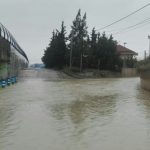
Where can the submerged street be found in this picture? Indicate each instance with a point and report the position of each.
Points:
(47, 112)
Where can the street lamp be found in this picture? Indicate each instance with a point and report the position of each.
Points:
(149, 44)
(124, 44)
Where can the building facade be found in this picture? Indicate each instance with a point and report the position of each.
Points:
(129, 61)
(126, 53)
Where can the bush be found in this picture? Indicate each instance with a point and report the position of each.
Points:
(144, 65)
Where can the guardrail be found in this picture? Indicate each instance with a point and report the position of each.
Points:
(7, 82)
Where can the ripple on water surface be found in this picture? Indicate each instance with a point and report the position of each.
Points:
(107, 114)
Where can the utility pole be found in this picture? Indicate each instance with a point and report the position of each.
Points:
(0, 31)
(124, 59)
(149, 44)
(145, 55)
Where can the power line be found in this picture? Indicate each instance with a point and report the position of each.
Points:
(144, 22)
(124, 17)
(135, 28)
(116, 31)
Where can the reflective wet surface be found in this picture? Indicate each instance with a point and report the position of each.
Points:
(106, 114)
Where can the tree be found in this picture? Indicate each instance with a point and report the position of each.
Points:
(54, 55)
(48, 58)
(78, 37)
(92, 54)
(93, 51)
(60, 47)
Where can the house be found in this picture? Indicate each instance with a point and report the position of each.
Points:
(129, 61)
(125, 53)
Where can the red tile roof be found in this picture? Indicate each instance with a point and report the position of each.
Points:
(123, 50)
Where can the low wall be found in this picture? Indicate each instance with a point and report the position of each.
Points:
(145, 84)
(129, 72)
(145, 80)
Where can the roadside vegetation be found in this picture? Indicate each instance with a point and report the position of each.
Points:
(79, 49)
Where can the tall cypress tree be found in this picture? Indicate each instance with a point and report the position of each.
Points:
(54, 55)
(78, 37)
(48, 58)
(93, 49)
(60, 47)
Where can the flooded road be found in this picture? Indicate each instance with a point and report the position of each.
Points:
(106, 114)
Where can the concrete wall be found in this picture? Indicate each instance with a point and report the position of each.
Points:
(145, 80)
(145, 84)
(129, 72)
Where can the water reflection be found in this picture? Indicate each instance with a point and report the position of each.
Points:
(91, 107)
(84, 113)
(143, 98)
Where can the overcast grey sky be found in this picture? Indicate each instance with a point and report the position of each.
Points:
(32, 21)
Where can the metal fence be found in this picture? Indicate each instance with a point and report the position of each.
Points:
(4, 33)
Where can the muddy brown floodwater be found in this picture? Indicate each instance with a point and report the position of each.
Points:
(92, 114)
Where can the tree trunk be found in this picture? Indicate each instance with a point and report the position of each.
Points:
(98, 64)
(81, 62)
